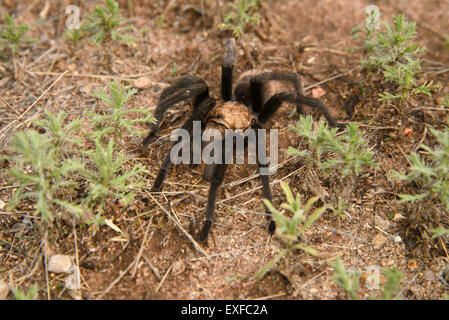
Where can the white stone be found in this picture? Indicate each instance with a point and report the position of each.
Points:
(4, 289)
(60, 263)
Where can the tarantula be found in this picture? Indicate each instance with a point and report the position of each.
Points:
(257, 95)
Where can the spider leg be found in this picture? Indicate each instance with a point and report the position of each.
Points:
(266, 191)
(186, 87)
(266, 111)
(317, 104)
(227, 69)
(217, 177)
(287, 76)
(219, 171)
(199, 111)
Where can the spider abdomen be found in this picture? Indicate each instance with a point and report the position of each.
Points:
(229, 115)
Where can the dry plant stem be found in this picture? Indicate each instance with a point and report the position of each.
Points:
(76, 255)
(227, 252)
(46, 265)
(277, 295)
(403, 153)
(36, 101)
(106, 77)
(133, 273)
(166, 273)
(194, 242)
(9, 106)
(35, 61)
(156, 273)
(37, 263)
(329, 79)
(116, 280)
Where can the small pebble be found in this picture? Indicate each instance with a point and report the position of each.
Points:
(4, 289)
(429, 275)
(142, 83)
(379, 241)
(59, 263)
(398, 217)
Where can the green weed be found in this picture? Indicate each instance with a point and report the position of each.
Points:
(391, 50)
(12, 36)
(431, 174)
(290, 229)
(349, 280)
(104, 24)
(42, 176)
(30, 295)
(116, 120)
(243, 13)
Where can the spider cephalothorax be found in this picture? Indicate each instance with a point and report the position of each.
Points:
(257, 95)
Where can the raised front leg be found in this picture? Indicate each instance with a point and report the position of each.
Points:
(185, 88)
(200, 110)
(227, 69)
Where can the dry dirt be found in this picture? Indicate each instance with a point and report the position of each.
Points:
(311, 37)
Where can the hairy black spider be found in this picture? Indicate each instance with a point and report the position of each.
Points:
(257, 96)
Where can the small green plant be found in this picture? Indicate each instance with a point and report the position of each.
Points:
(404, 76)
(445, 101)
(108, 181)
(30, 295)
(75, 35)
(351, 150)
(386, 44)
(243, 13)
(11, 35)
(392, 51)
(50, 173)
(392, 285)
(42, 176)
(347, 155)
(349, 280)
(61, 135)
(315, 136)
(116, 121)
(161, 21)
(290, 229)
(431, 174)
(104, 24)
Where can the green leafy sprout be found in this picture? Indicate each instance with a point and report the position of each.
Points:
(430, 173)
(43, 177)
(244, 12)
(30, 295)
(12, 35)
(325, 150)
(115, 120)
(350, 150)
(349, 280)
(104, 24)
(290, 229)
(108, 179)
(49, 172)
(392, 51)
